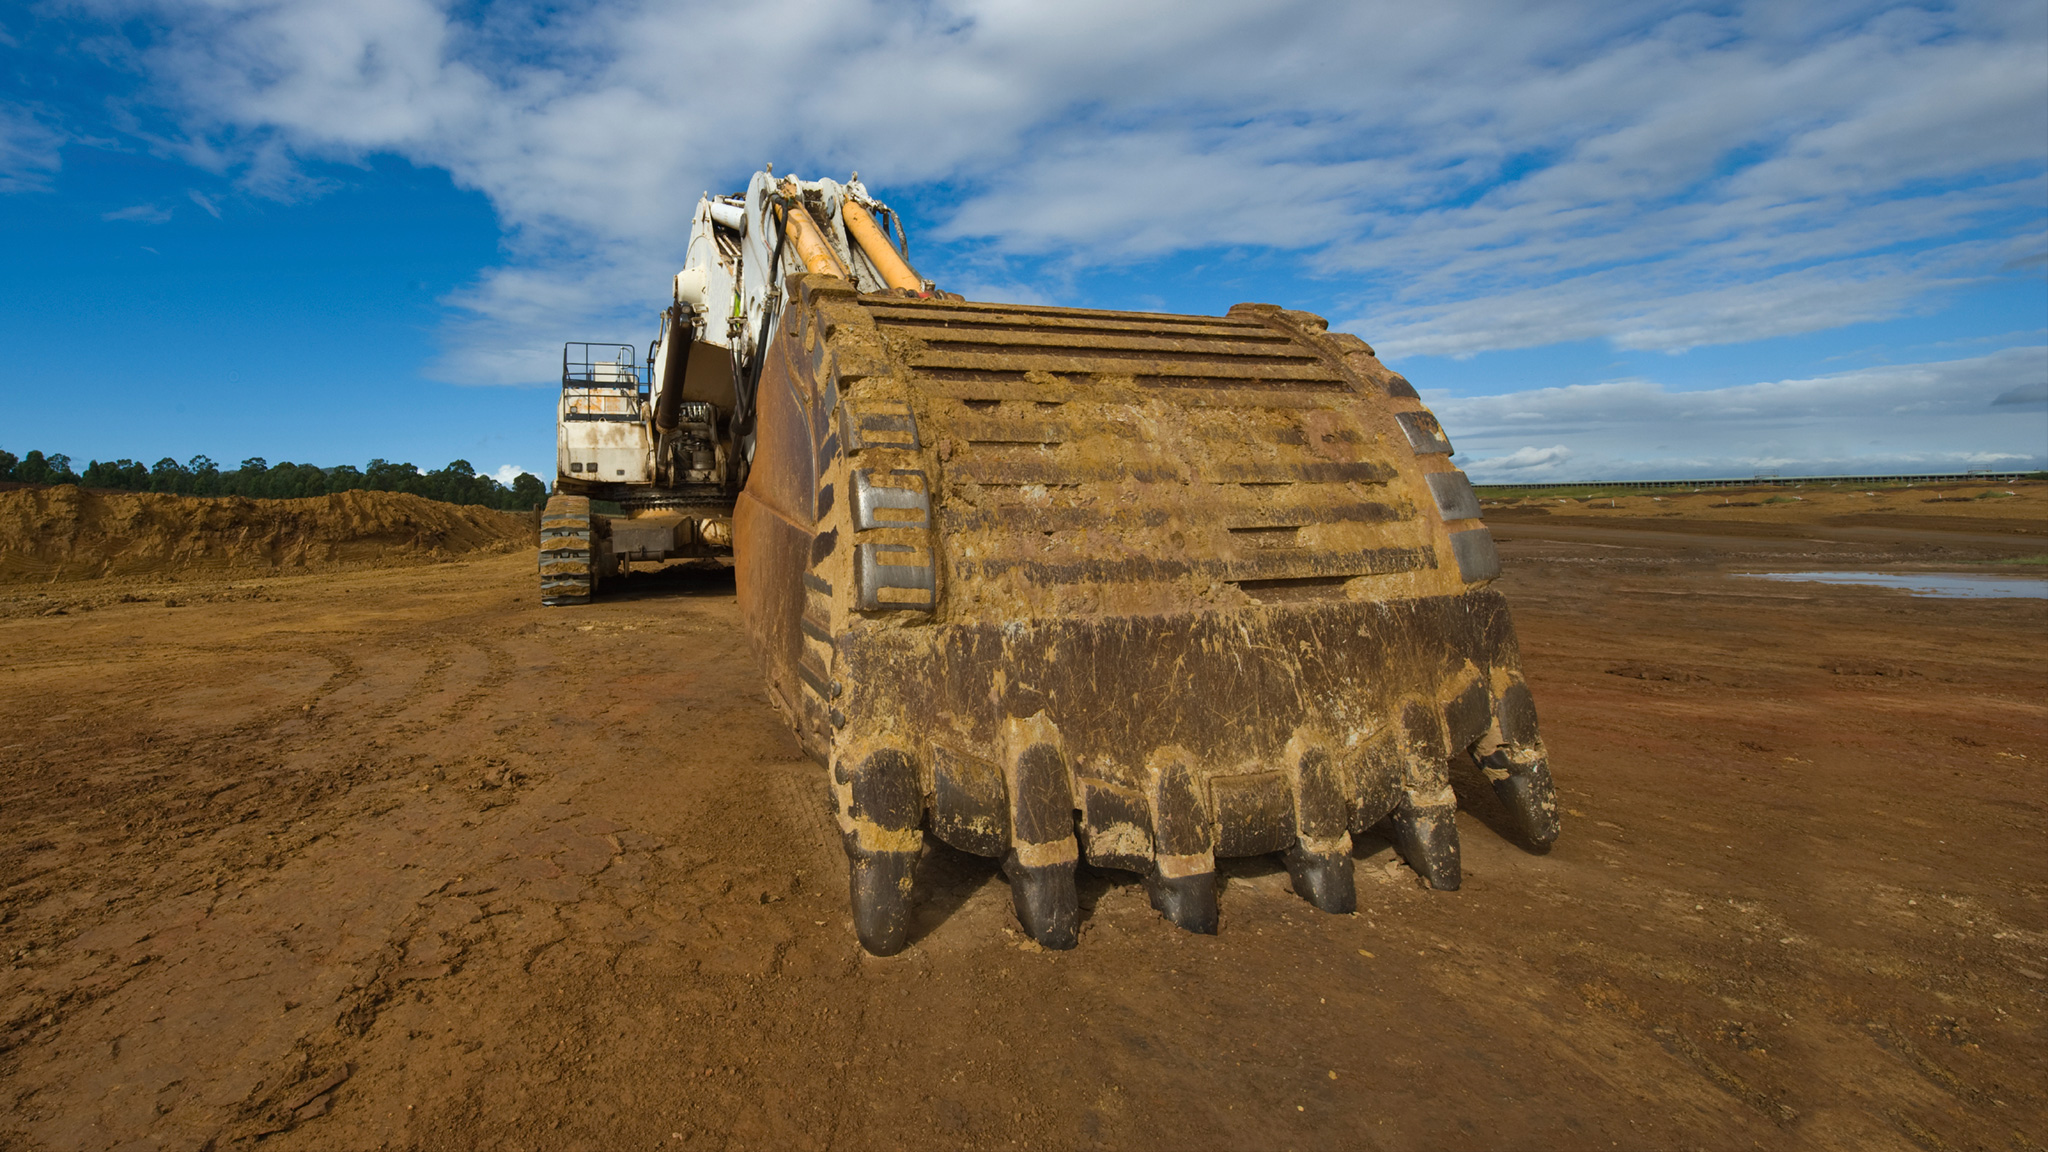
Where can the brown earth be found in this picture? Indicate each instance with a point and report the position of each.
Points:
(72, 533)
(2019, 506)
(400, 859)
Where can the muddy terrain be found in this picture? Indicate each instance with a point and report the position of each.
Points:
(397, 858)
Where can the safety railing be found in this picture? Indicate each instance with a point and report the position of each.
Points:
(588, 365)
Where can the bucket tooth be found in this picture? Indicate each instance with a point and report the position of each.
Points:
(1047, 900)
(1182, 882)
(1425, 817)
(1043, 852)
(1426, 836)
(1324, 879)
(1516, 714)
(880, 886)
(880, 806)
(1522, 781)
(1320, 858)
(1511, 755)
(1188, 901)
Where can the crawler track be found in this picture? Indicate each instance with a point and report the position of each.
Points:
(568, 533)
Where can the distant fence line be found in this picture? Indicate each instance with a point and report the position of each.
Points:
(1782, 481)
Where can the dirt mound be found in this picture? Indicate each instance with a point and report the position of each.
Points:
(69, 533)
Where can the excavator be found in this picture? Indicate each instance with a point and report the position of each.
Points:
(1057, 585)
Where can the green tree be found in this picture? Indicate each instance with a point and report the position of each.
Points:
(528, 491)
(458, 483)
(167, 475)
(290, 481)
(125, 474)
(345, 478)
(35, 468)
(383, 476)
(205, 476)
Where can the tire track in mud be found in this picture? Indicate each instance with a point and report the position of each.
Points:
(1601, 971)
(500, 667)
(423, 685)
(1762, 1103)
(1744, 972)
(401, 969)
(1934, 1074)
(576, 939)
(248, 794)
(346, 670)
(443, 654)
(260, 786)
(282, 1099)
(248, 818)
(584, 942)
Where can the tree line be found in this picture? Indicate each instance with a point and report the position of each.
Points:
(458, 483)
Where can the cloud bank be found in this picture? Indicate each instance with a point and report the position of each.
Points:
(1988, 412)
(1455, 178)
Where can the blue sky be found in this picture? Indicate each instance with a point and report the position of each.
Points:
(1604, 240)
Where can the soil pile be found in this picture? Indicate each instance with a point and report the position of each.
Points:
(69, 533)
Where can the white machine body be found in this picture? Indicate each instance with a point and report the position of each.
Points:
(651, 454)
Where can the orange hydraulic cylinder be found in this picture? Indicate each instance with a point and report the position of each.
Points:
(811, 248)
(860, 224)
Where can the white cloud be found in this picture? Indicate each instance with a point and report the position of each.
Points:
(1522, 459)
(1673, 309)
(999, 291)
(29, 150)
(204, 201)
(1943, 416)
(1463, 176)
(139, 213)
(507, 473)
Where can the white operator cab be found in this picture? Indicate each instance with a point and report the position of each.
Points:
(603, 434)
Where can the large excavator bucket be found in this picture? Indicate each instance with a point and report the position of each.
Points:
(1148, 590)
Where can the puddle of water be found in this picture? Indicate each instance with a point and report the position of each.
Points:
(1946, 585)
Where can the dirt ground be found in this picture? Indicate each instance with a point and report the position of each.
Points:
(400, 859)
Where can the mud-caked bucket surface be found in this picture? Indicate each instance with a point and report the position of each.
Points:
(1221, 567)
